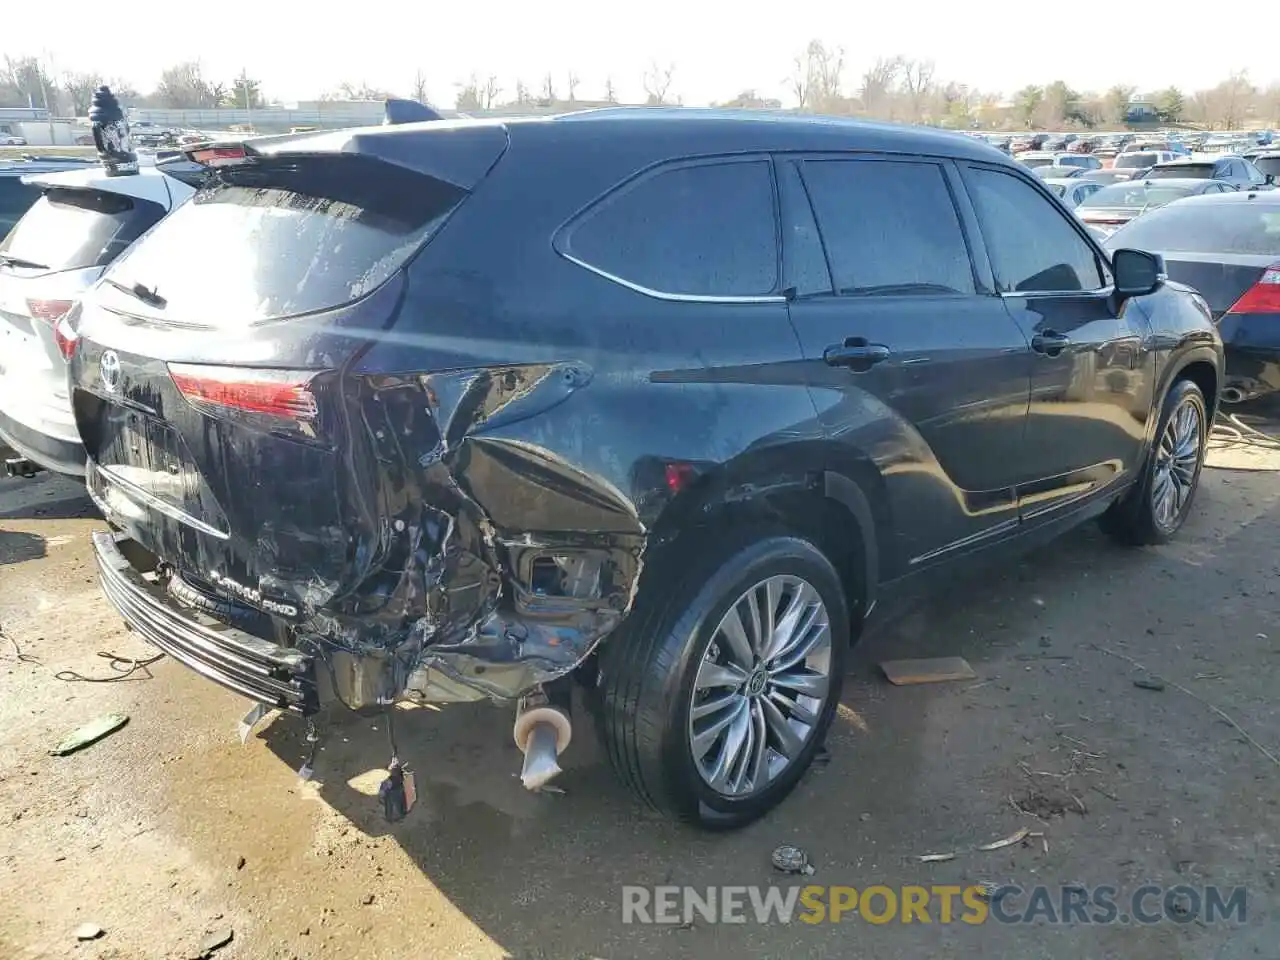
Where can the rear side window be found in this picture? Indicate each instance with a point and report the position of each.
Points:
(1135, 161)
(1189, 171)
(1194, 226)
(285, 236)
(1033, 247)
(1267, 165)
(15, 199)
(72, 229)
(701, 230)
(889, 227)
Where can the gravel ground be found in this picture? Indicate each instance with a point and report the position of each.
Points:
(171, 830)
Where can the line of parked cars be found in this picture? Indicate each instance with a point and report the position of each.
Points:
(665, 403)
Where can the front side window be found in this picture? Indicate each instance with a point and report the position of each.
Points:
(1032, 245)
(700, 230)
(890, 228)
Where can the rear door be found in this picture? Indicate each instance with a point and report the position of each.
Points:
(910, 356)
(1091, 376)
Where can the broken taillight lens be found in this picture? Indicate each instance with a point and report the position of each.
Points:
(285, 394)
(65, 336)
(1263, 296)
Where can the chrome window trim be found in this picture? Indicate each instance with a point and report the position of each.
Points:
(1100, 292)
(672, 297)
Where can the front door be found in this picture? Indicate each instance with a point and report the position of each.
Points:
(1091, 376)
(913, 362)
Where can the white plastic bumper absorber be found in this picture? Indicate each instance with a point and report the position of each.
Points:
(542, 731)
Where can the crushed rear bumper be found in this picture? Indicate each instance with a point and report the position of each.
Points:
(250, 666)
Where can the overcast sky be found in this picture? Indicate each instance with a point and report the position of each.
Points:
(718, 48)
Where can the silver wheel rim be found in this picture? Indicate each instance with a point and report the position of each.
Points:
(761, 686)
(1177, 464)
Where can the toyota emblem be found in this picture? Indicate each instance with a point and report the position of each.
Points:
(110, 368)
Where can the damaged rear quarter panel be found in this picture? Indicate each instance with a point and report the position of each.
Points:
(522, 402)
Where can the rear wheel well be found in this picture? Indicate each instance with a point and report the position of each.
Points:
(1204, 376)
(808, 513)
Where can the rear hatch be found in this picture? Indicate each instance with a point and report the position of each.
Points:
(224, 429)
(55, 251)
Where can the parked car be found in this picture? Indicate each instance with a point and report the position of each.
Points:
(1227, 246)
(79, 222)
(400, 433)
(1080, 161)
(1236, 171)
(11, 141)
(1114, 206)
(1139, 161)
(1109, 176)
(17, 197)
(1072, 191)
(1268, 164)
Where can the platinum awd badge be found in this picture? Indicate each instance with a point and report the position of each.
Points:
(253, 596)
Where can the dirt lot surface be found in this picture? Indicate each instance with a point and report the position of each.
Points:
(171, 830)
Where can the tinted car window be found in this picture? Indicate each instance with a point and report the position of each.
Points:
(889, 227)
(1188, 171)
(1135, 161)
(1033, 247)
(285, 237)
(1204, 227)
(71, 229)
(705, 230)
(804, 262)
(15, 199)
(1266, 165)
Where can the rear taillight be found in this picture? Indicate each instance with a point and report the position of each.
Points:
(50, 311)
(1263, 296)
(218, 156)
(272, 393)
(65, 336)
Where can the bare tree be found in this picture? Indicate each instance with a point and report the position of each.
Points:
(490, 91)
(571, 84)
(79, 89)
(1116, 104)
(657, 82)
(523, 97)
(610, 94)
(816, 79)
(419, 89)
(878, 84)
(549, 89)
(25, 82)
(917, 80)
(184, 87)
(469, 97)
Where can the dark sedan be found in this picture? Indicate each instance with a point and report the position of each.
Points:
(1228, 247)
(1236, 171)
(1114, 206)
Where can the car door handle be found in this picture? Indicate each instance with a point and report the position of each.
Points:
(1050, 343)
(856, 354)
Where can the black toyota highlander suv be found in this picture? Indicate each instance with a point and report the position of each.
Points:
(664, 401)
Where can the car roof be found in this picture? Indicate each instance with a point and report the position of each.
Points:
(1268, 197)
(681, 130)
(1170, 182)
(1066, 181)
(147, 184)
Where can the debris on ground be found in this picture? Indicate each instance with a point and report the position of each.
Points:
(930, 670)
(240, 862)
(791, 859)
(90, 733)
(1009, 841)
(935, 857)
(1052, 801)
(89, 931)
(1147, 683)
(216, 940)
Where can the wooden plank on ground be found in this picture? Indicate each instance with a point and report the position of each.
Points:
(932, 670)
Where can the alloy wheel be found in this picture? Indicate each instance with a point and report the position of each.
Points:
(761, 686)
(1177, 464)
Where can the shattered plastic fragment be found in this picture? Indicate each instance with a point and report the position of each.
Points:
(90, 733)
(251, 720)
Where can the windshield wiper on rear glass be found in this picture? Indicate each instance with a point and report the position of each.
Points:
(139, 292)
(9, 261)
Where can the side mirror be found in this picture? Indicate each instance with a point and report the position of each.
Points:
(1137, 272)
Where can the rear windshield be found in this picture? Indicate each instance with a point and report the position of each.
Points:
(1269, 165)
(1193, 171)
(284, 237)
(1034, 162)
(1135, 161)
(15, 199)
(70, 229)
(1135, 195)
(1196, 227)
(1058, 188)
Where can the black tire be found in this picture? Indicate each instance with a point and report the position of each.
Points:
(648, 667)
(1133, 519)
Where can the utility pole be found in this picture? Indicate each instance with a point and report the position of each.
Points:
(44, 89)
(248, 106)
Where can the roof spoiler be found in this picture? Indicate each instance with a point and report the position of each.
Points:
(396, 111)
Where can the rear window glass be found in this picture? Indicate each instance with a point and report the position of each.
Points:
(15, 199)
(284, 237)
(1197, 227)
(1269, 165)
(73, 229)
(1059, 189)
(1034, 162)
(705, 230)
(1135, 195)
(1193, 171)
(1135, 161)
(889, 227)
